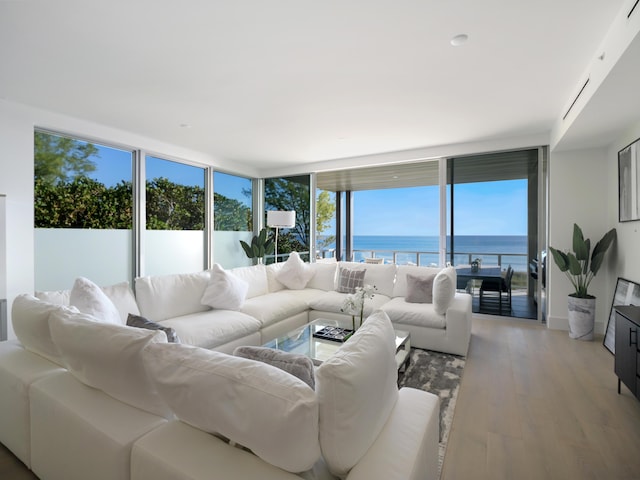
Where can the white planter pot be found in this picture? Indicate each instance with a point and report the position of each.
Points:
(582, 316)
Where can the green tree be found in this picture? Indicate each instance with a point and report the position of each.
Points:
(231, 215)
(61, 159)
(82, 203)
(325, 212)
(171, 206)
(292, 193)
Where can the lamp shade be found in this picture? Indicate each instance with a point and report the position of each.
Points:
(281, 219)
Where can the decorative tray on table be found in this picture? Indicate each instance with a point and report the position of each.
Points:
(335, 334)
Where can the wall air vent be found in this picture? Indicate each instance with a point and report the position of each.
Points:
(577, 97)
(633, 8)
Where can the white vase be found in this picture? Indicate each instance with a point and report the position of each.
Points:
(582, 316)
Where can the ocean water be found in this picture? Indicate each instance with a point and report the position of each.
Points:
(491, 249)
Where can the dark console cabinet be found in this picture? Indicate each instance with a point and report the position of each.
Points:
(627, 357)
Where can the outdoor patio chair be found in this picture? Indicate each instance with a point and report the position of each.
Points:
(499, 286)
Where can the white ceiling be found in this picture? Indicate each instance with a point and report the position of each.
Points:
(276, 83)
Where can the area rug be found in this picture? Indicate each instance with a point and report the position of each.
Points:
(440, 374)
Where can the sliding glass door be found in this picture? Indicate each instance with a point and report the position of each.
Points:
(494, 216)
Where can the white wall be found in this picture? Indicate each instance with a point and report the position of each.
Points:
(579, 192)
(627, 264)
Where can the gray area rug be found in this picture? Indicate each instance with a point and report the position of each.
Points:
(440, 374)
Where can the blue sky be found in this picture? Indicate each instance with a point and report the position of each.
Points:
(488, 208)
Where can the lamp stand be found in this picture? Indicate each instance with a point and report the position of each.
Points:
(276, 249)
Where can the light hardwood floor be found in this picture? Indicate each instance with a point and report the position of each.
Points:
(534, 404)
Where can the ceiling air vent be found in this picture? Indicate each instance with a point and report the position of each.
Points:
(577, 97)
(633, 8)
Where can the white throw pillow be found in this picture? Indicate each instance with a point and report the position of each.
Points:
(108, 357)
(295, 274)
(30, 318)
(225, 291)
(444, 289)
(357, 390)
(89, 298)
(251, 403)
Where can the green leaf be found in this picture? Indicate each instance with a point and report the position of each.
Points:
(574, 265)
(560, 258)
(580, 247)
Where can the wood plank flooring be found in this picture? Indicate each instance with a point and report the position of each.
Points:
(533, 404)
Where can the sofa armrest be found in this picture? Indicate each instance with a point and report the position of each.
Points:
(407, 447)
(458, 322)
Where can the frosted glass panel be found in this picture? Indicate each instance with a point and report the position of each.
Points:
(174, 237)
(227, 250)
(63, 254)
(173, 251)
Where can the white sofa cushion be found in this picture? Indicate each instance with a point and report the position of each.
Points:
(295, 274)
(167, 296)
(89, 298)
(79, 432)
(273, 307)
(251, 403)
(357, 390)
(120, 294)
(400, 287)
(30, 317)
(333, 301)
(324, 277)
(444, 289)
(124, 300)
(273, 283)
(256, 277)
(212, 328)
(19, 369)
(108, 357)
(418, 314)
(225, 291)
(382, 276)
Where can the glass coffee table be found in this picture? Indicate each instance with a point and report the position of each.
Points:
(303, 341)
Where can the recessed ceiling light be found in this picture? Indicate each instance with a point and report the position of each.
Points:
(185, 125)
(459, 40)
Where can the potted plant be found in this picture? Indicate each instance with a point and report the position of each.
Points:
(581, 267)
(261, 245)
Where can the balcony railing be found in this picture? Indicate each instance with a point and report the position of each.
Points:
(518, 261)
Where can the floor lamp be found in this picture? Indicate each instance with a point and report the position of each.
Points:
(280, 219)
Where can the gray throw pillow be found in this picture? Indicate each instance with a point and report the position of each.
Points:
(297, 365)
(349, 280)
(141, 322)
(420, 288)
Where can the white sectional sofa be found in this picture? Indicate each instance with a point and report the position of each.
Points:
(271, 309)
(115, 402)
(63, 414)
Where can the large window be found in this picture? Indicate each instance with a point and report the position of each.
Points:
(400, 225)
(291, 193)
(174, 240)
(83, 211)
(232, 218)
